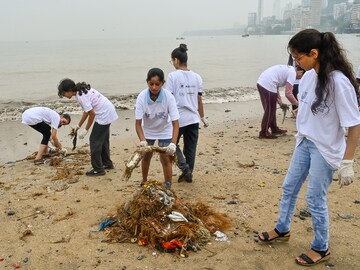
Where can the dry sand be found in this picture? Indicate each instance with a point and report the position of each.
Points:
(47, 223)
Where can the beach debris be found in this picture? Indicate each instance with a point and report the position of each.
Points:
(137, 156)
(73, 133)
(284, 107)
(246, 165)
(26, 233)
(220, 236)
(150, 219)
(10, 213)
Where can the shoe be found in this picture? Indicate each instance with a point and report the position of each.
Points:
(109, 167)
(186, 175)
(280, 236)
(324, 255)
(279, 132)
(95, 173)
(39, 161)
(267, 136)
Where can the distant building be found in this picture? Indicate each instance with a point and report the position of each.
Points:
(315, 13)
(355, 14)
(260, 11)
(277, 10)
(252, 19)
(339, 10)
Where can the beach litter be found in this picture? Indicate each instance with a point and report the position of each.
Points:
(133, 161)
(156, 217)
(284, 107)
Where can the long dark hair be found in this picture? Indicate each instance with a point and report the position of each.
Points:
(331, 57)
(181, 54)
(68, 85)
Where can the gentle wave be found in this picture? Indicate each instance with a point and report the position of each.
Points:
(12, 111)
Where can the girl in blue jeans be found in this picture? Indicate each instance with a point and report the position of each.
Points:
(327, 105)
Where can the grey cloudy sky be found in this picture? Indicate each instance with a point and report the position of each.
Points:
(85, 19)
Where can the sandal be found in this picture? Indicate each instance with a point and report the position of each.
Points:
(280, 236)
(325, 255)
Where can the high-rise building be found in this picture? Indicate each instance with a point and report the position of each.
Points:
(315, 13)
(260, 11)
(277, 10)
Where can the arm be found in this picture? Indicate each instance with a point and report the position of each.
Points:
(279, 101)
(352, 141)
(175, 133)
(289, 94)
(55, 139)
(200, 107)
(139, 130)
(91, 115)
(201, 111)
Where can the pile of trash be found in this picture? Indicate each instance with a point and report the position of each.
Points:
(156, 216)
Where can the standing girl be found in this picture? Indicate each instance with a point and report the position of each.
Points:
(96, 107)
(157, 119)
(186, 86)
(327, 105)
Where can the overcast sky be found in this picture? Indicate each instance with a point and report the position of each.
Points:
(86, 19)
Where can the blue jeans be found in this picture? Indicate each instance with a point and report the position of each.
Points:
(161, 142)
(307, 162)
(186, 158)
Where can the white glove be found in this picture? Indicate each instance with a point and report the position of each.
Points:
(52, 142)
(63, 152)
(346, 173)
(77, 128)
(143, 144)
(206, 123)
(83, 134)
(171, 149)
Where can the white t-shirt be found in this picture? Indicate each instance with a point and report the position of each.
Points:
(185, 85)
(157, 116)
(326, 129)
(105, 112)
(277, 76)
(37, 115)
(358, 73)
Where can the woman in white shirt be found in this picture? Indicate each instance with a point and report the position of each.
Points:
(46, 121)
(327, 105)
(96, 108)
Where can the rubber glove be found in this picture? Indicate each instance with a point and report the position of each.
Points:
(346, 173)
(206, 123)
(143, 144)
(83, 134)
(77, 128)
(171, 149)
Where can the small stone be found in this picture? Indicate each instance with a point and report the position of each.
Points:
(11, 213)
(345, 216)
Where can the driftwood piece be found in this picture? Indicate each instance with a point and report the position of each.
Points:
(137, 156)
(284, 107)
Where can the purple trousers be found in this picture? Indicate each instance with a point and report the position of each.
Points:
(268, 101)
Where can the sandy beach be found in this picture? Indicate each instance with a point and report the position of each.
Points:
(48, 223)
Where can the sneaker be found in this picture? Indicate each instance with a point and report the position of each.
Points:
(186, 175)
(109, 167)
(95, 173)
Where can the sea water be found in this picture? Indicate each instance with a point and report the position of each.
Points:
(229, 65)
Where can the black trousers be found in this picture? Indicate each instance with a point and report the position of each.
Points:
(45, 130)
(100, 146)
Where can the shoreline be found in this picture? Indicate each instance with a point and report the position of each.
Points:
(17, 140)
